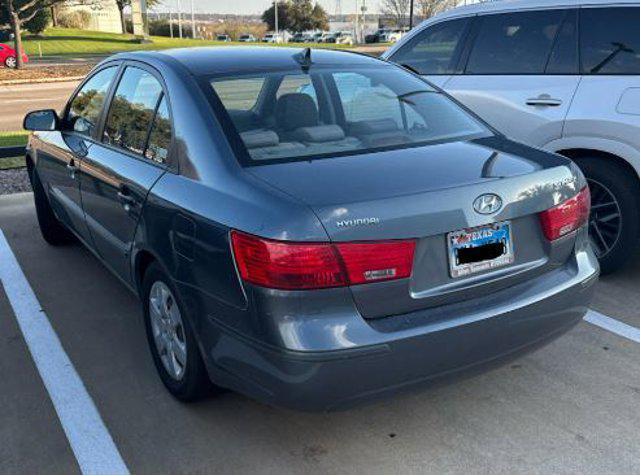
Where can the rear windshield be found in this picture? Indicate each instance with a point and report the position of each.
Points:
(288, 115)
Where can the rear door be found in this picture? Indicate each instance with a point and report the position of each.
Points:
(118, 173)
(435, 52)
(521, 72)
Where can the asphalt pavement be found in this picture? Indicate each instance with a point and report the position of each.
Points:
(17, 100)
(571, 407)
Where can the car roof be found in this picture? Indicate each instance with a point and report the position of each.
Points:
(516, 5)
(202, 61)
(502, 6)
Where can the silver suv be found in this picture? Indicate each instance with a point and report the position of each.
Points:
(557, 74)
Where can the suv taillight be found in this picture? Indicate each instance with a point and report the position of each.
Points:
(297, 266)
(566, 217)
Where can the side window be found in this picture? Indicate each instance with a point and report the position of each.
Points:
(434, 50)
(132, 109)
(564, 57)
(514, 43)
(610, 43)
(239, 94)
(86, 107)
(160, 136)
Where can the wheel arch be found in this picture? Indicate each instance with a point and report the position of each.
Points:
(585, 146)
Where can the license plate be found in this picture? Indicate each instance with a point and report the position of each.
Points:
(479, 249)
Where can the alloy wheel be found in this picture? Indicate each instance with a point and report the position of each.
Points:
(605, 221)
(168, 330)
(10, 62)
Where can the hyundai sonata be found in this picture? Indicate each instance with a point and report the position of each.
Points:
(311, 228)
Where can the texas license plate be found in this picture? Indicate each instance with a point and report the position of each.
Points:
(479, 249)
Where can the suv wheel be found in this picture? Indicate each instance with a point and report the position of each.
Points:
(172, 342)
(614, 224)
(52, 230)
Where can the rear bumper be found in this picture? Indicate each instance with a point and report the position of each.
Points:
(420, 350)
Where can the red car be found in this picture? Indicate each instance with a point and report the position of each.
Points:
(8, 56)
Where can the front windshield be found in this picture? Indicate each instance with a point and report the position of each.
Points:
(331, 111)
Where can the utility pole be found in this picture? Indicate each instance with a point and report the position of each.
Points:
(275, 7)
(179, 19)
(193, 22)
(411, 14)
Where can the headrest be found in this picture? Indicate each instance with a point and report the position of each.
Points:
(296, 110)
(319, 133)
(259, 138)
(374, 126)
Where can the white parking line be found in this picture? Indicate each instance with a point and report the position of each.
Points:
(613, 325)
(90, 440)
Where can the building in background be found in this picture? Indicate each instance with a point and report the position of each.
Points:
(104, 14)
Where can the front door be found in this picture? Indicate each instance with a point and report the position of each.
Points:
(61, 153)
(118, 173)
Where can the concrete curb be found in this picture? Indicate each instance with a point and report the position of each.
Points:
(12, 82)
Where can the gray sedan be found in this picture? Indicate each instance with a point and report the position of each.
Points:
(313, 229)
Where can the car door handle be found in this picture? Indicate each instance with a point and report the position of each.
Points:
(126, 198)
(72, 168)
(544, 100)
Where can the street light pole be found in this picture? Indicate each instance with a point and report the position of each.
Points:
(275, 7)
(193, 22)
(179, 19)
(411, 14)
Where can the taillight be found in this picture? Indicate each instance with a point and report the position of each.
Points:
(566, 217)
(297, 266)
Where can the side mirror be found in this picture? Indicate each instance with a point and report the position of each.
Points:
(45, 120)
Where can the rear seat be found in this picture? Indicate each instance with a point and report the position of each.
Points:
(379, 132)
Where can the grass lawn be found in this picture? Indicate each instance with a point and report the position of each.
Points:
(13, 139)
(10, 163)
(63, 41)
(9, 139)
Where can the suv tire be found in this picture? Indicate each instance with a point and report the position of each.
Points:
(614, 224)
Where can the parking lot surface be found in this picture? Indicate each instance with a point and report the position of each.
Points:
(571, 407)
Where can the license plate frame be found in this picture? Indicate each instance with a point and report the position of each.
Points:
(499, 232)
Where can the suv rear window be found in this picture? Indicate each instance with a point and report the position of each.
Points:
(610, 43)
(337, 112)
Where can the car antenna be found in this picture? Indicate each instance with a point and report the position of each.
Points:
(304, 58)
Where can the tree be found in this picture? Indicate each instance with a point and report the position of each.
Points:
(296, 15)
(38, 23)
(397, 9)
(319, 18)
(15, 13)
(284, 16)
(429, 8)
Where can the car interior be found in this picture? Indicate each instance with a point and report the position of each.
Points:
(291, 115)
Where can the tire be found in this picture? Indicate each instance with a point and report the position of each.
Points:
(10, 62)
(185, 377)
(614, 224)
(52, 230)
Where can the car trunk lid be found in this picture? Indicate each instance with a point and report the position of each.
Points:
(424, 193)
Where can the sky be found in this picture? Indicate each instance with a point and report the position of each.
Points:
(256, 6)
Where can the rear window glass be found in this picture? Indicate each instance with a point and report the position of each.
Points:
(610, 43)
(337, 112)
(239, 94)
